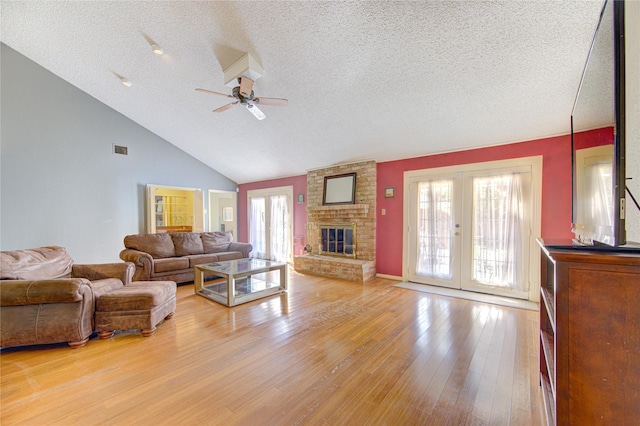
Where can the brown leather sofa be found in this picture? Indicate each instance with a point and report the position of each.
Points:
(45, 298)
(161, 257)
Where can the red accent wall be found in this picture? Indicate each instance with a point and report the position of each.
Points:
(556, 194)
(556, 191)
(592, 138)
(299, 184)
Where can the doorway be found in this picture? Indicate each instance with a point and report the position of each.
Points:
(271, 223)
(174, 209)
(473, 227)
(222, 211)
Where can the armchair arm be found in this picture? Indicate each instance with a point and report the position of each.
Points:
(143, 263)
(93, 272)
(244, 248)
(28, 292)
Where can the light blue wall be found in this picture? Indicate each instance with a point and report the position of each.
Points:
(60, 182)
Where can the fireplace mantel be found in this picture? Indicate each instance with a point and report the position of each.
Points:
(338, 211)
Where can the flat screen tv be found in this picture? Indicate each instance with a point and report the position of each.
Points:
(598, 136)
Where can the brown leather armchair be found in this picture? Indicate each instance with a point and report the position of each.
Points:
(45, 298)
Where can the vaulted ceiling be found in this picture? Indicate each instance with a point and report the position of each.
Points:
(376, 80)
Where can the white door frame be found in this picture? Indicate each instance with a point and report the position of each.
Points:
(535, 162)
(198, 206)
(234, 195)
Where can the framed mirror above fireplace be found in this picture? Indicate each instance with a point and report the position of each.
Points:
(339, 189)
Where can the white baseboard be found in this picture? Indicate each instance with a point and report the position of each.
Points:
(389, 277)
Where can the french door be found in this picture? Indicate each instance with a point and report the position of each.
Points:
(435, 217)
(270, 223)
(472, 229)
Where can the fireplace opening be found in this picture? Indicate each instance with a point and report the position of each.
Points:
(338, 239)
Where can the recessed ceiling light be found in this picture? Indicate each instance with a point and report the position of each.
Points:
(154, 46)
(124, 81)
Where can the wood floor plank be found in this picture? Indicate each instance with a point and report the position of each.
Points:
(462, 383)
(481, 413)
(524, 361)
(328, 352)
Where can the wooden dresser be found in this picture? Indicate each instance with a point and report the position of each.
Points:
(590, 335)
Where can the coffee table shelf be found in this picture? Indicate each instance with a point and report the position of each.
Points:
(242, 280)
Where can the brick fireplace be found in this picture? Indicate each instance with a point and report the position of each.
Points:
(356, 263)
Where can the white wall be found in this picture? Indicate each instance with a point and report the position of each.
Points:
(60, 182)
(632, 58)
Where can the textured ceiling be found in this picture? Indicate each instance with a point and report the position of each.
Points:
(365, 80)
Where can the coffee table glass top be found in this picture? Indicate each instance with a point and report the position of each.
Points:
(239, 266)
(240, 281)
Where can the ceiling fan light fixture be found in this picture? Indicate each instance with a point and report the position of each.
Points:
(256, 112)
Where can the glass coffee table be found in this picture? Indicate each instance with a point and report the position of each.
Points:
(243, 280)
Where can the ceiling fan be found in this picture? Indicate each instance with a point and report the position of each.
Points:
(243, 95)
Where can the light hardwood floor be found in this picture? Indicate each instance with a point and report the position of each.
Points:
(329, 352)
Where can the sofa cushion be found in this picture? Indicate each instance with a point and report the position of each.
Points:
(157, 245)
(37, 263)
(199, 259)
(138, 295)
(170, 264)
(187, 243)
(215, 242)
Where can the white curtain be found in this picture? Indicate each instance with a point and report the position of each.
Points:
(435, 233)
(598, 184)
(257, 227)
(280, 238)
(498, 246)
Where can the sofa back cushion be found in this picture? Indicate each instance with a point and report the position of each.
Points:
(187, 243)
(157, 245)
(48, 262)
(216, 242)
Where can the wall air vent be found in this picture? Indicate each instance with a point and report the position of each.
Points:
(118, 149)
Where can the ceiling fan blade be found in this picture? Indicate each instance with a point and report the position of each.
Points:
(271, 101)
(256, 111)
(225, 107)
(213, 93)
(246, 86)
